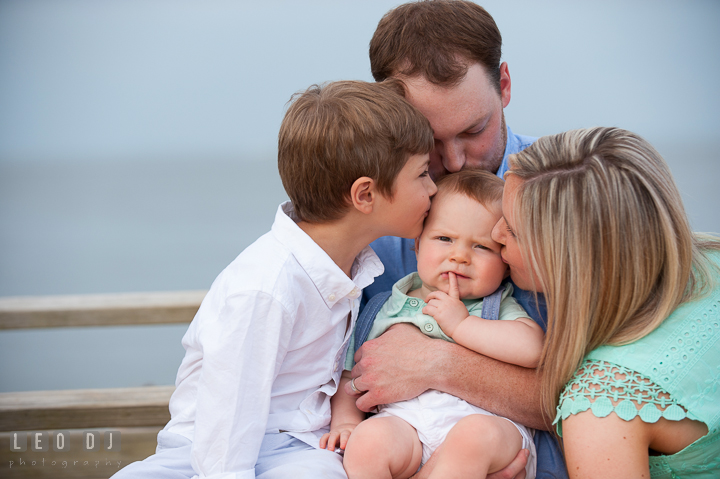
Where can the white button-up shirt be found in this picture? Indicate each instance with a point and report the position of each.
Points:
(266, 349)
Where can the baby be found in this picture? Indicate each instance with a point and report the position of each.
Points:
(459, 264)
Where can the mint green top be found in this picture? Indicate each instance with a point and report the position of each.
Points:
(674, 372)
(401, 308)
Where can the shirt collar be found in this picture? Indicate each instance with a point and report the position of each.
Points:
(512, 145)
(332, 283)
(399, 293)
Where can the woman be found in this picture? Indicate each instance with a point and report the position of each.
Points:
(593, 219)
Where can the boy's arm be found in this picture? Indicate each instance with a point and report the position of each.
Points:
(345, 417)
(241, 345)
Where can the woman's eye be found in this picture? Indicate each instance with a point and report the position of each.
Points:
(510, 232)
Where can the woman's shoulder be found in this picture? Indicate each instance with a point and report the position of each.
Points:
(673, 372)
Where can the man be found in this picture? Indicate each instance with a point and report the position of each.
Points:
(447, 53)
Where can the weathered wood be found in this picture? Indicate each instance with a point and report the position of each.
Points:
(136, 445)
(99, 309)
(85, 408)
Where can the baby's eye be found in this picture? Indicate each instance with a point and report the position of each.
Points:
(479, 246)
(443, 238)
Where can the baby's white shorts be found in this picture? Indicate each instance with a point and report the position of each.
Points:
(434, 413)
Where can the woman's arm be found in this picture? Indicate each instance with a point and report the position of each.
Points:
(606, 447)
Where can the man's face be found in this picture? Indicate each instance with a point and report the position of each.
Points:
(467, 120)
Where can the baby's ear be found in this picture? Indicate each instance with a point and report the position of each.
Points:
(417, 244)
(363, 193)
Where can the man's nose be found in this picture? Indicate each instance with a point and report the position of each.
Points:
(453, 156)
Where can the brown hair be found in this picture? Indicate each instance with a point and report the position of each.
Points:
(437, 39)
(480, 185)
(334, 134)
(601, 223)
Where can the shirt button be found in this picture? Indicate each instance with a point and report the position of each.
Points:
(355, 293)
(414, 302)
(428, 327)
(331, 297)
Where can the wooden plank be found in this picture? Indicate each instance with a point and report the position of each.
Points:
(85, 408)
(136, 445)
(99, 309)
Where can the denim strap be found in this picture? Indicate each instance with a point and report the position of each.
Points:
(491, 304)
(367, 317)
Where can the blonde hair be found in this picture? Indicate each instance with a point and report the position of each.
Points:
(601, 223)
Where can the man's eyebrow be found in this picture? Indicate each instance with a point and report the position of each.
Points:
(485, 117)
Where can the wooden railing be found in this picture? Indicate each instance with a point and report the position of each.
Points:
(138, 413)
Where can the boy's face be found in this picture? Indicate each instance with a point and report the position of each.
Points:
(457, 238)
(405, 214)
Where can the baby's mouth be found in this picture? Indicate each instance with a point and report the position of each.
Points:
(457, 275)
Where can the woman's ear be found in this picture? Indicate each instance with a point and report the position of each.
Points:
(363, 193)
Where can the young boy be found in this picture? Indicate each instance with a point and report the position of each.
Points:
(265, 351)
(459, 264)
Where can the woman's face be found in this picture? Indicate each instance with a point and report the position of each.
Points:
(504, 233)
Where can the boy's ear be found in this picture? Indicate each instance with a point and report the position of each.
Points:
(363, 193)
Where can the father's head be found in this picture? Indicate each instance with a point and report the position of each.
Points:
(447, 52)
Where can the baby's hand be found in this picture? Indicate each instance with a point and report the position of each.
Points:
(337, 437)
(447, 309)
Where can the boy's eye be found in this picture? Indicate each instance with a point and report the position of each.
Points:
(425, 173)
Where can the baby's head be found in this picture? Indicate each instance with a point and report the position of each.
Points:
(456, 236)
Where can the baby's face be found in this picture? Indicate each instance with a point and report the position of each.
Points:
(456, 238)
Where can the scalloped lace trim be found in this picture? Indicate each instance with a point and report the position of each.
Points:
(604, 387)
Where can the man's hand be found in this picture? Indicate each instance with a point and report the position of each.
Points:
(447, 309)
(398, 365)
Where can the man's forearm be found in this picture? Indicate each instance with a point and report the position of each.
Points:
(501, 388)
(403, 363)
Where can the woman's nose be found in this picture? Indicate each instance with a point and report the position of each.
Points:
(497, 233)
